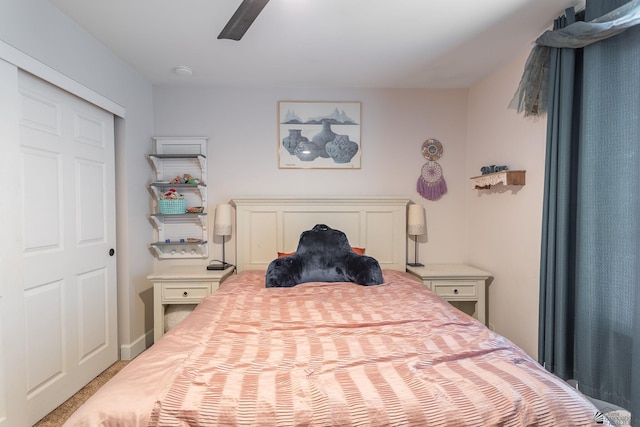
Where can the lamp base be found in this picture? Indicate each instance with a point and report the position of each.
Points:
(218, 266)
(415, 264)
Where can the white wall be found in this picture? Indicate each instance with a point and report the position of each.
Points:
(38, 29)
(505, 226)
(242, 160)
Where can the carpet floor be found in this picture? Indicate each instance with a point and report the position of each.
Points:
(58, 416)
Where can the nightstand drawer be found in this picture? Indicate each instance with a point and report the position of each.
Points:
(184, 293)
(452, 290)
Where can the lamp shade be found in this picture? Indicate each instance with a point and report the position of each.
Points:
(415, 220)
(222, 224)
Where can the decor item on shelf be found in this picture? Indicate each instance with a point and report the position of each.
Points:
(493, 169)
(172, 203)
(172, 194)
(222, 227)
(185, 179)
(415, 227)
(431, 184)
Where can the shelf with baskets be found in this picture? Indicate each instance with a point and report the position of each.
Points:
(180, 197)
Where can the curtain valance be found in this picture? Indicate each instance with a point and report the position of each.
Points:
(531, 96)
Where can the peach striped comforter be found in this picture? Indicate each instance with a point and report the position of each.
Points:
(332, 354)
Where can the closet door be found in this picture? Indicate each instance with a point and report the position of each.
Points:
(67, 187)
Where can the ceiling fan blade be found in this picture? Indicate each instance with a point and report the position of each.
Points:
(242, 19)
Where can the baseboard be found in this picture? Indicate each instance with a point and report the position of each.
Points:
(129, 352)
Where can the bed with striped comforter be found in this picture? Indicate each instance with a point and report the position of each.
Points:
(332, 354)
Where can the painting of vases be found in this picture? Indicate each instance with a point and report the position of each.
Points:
(319, 135)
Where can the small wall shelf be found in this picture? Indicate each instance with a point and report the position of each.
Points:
(181, 235)
(484, 182)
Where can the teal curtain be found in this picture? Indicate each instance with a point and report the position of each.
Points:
(557, 264)
(590, 261)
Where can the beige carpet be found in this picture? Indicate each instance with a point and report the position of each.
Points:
(59, 415)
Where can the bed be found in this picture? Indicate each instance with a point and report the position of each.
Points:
(330, 353)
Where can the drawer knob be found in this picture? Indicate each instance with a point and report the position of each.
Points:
(455, 291)
(185, 294)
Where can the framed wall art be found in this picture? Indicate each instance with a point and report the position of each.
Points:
(319, 135)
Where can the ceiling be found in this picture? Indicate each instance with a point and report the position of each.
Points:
(319, 43)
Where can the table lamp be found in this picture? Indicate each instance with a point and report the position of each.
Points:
(222, 227)
(415, 227)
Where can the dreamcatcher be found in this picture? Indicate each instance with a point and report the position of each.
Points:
(431, 184)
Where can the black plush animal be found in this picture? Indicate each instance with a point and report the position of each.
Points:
(323, 255)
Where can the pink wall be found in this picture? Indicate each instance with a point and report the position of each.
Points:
(493, 230)
(504, 223)
(243, 132)
(499, 232)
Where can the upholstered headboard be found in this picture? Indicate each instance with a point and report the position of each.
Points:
(266, 226)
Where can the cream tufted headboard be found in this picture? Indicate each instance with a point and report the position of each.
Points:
(266, 226)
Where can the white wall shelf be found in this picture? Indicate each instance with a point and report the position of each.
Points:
(180, 250)
(180, 235)
(484, 182)
(194, 193)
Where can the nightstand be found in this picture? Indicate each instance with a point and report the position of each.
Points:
(182, 285)
(457, 283)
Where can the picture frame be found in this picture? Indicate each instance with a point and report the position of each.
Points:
(319, 135)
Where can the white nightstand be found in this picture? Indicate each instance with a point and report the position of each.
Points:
(457, 283)
(182, 285)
